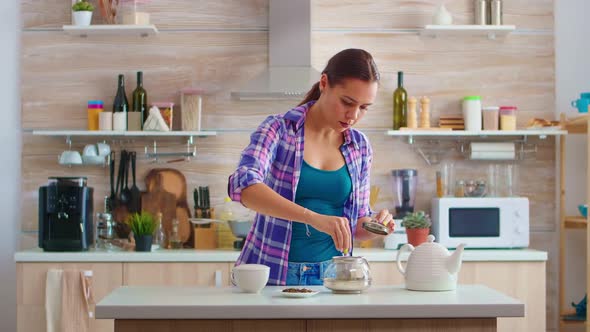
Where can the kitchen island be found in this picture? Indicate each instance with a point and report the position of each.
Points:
(164, 308)
(519, 273)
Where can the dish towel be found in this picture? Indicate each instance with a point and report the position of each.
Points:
(69, 300)
(53, 300)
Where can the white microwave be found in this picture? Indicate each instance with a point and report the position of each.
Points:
(486, 222)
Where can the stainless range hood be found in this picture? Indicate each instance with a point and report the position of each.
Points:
(289, 74)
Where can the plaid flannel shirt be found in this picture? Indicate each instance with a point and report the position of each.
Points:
(274, 157)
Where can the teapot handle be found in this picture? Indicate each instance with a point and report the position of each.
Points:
(405, 247)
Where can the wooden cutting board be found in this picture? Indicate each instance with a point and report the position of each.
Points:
(173, 182)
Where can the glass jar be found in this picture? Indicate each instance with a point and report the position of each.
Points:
(132, 12)
(105, 232)
(348, 274)
(508, 117)
(191, 102)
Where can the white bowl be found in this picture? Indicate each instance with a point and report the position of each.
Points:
(70, 157)
(250, 278)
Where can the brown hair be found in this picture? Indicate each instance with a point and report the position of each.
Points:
(349, 63)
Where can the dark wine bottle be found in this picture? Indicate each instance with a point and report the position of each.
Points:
(400, 103)
(120, 106)
(140, 100)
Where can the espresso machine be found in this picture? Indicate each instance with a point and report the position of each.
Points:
(65, 215)
(404, 188)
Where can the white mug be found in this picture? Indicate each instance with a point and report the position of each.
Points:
(250, 278)
(103, 149)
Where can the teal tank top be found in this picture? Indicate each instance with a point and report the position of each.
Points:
(323, 192)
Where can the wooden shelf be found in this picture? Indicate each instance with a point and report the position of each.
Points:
(575, 222)
(110, 29)
(577, 125)
(490, 31)
(483, 133)
(73, 133)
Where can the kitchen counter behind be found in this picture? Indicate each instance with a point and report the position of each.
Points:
(191, 255)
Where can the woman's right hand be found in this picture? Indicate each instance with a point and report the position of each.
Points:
(337, 227)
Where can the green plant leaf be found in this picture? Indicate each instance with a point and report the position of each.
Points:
(82, 6)
(142, 223)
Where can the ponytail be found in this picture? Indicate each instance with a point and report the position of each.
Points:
(349, 63)
(313, 94)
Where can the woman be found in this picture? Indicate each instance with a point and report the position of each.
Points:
(311, 198)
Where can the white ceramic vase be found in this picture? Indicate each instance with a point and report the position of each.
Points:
(442, 16)
(82, 18)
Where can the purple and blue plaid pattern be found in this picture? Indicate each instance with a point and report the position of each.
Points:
(274, 157)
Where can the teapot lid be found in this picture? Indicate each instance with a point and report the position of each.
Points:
(431, 246)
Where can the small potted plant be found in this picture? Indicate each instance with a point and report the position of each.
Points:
(82, 13)
(417, 226)
(142, 225)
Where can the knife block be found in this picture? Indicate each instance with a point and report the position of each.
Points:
(205, 235)
(205, 238)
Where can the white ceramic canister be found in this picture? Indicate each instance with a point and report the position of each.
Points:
(472, 113)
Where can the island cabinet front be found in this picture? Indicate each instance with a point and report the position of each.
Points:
(518, 279)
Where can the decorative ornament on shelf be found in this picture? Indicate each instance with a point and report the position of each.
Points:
(442, 16)
(155, 121)
(82, 13)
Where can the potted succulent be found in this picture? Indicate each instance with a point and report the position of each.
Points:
(417, 226)
(142, 225)
(82, 13)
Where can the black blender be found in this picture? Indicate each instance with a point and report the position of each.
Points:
(404, 187)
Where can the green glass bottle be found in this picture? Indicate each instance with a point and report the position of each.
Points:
(140, 99)
(400, 103)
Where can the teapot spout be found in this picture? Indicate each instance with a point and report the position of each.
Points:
(454, 260)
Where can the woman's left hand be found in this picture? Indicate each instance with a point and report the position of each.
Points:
(385, 218)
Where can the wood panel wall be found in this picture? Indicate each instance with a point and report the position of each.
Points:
(221, 44)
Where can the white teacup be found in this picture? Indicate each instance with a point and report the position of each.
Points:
(103, 149)
(90, 151)
(250, 278)
(70, 157)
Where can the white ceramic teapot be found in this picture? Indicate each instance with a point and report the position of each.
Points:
(430, 266)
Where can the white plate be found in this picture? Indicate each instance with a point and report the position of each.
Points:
(298, 295)
(203, 221)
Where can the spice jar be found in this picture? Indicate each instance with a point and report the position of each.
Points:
(95, 107)
(132, 12)
(508, 117)
(459, 189)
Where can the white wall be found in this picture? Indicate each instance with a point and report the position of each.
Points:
(10, 147)
(572, 51)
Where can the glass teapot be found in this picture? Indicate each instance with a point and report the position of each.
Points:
(348, 274)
